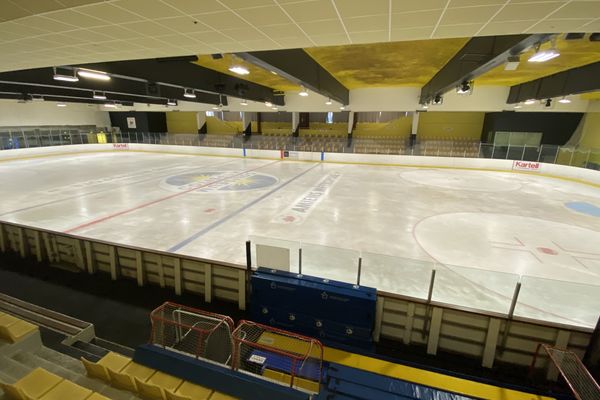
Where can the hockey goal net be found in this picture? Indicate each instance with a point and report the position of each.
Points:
(279, 356)
(192, 332)
(580, 381)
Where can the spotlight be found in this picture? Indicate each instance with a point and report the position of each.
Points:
(65, 78)
(240, 70)
(88, 73)
(328, 102)
(172, 102)
(544, 55)
(99, 95)
(110, 105)
(243, 103)
(564, 100)
(189, 93)
(303, 92)
(437, 100)
(529, 102)
(466, 87)
(268, 104)
(61, 105)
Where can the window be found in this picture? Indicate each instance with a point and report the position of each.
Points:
(329, 118)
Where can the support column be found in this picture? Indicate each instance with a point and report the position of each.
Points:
(246, 123)
(414, 129)
(295, 124)
(201, 122)
(351, 124)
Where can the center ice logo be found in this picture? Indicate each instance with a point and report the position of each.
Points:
(219, 181)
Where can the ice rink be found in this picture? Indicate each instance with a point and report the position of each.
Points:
(482, 231)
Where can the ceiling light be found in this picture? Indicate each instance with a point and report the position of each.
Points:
(66, 78)
(425, 106)
(328, 102)
(240, 70)
(342, 108)
(274, 108)
(466, 87)
(544, 55)
(243, 103)
(61, 105)
(437, 100)
(189, 93)
(171, 102)
(268, 104)
(110, 105)
(303, 92)
(86, 73)
(274, 73)
(564, 100)
(215, 108)
(529, 102)
(512, 63)
(548, 103)
(517, 106)
(99, 95)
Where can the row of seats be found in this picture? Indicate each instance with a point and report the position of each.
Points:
(123, 373)
(44, 385)
(13, 329)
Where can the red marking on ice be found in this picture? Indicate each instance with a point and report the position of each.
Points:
(209, 210)
(547, 250)
(289, 218)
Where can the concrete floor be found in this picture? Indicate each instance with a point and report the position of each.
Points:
(480, 230)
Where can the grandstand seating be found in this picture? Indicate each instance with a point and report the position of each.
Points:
(13, 329)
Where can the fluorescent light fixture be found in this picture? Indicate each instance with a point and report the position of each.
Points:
(189, 93)
(99, 95)
(99, 75)
(65, 78)
(303, 92)
(61, 105)
(529, 102)
(110, 105)
(274, 108)
(425, 106)
(544, 55)
(518, 106)
(240, 70)
(274, 73)
(342, 108)
(564, 100)
(171, 102)
(268, 104)
(243, 103)
(215, 108)
(328, 102)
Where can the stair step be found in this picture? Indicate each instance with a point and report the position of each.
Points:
(13, 368)
(90, 348)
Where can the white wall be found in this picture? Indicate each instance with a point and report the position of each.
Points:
(47, 113)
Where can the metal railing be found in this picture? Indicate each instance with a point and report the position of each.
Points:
(14, 138)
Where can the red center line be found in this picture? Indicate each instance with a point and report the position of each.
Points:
(143, 205)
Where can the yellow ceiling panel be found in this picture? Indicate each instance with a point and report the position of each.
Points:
(257, 74)
(573, 53)
(411, 63)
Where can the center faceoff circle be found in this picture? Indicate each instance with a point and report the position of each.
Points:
(219, 181)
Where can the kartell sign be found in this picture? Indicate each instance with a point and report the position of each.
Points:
(121, 146)
(526, 166)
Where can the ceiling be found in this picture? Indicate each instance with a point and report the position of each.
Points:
(45, 33)
(257, 74)
(573, 54)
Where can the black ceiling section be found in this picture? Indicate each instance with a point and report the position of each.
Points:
(189, 75)
(477, 57)
(297, 66)
(573, 81)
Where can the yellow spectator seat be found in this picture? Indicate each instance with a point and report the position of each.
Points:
(114, 361)
(221, 396)
(12, 392)
(14, 329)
(67, 390)
(174, 396)
(95, 370)
(36, 384)
(122, 381)
(149, 391)
(125, 378)
(97, 396)
(193, 391)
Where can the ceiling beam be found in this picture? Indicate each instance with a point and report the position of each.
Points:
(573, 81)
(298, 67)
(49, 92)
(478, 56)
(42, 79)
(185, 74)
(27, 98)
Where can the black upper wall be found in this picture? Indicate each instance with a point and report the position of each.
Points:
(145, 121)
(557, 128)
